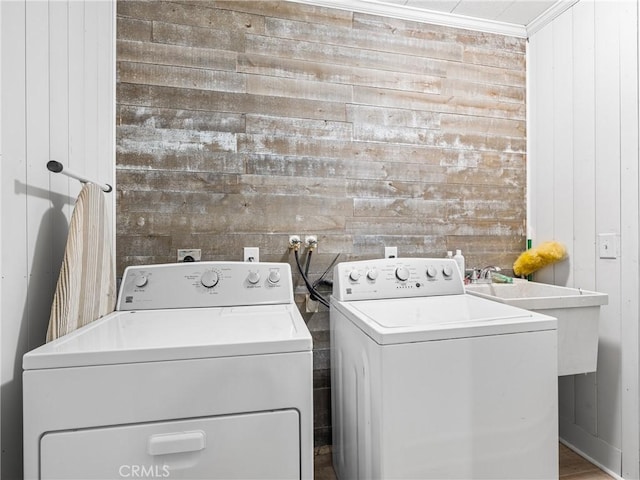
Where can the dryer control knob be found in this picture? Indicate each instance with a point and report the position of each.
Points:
(253, 278)
(431, 272)
(141, 281)
(209, 279)
(447, 271)
(354, 275)
(274, 276)
(372, 274)
(402, 273)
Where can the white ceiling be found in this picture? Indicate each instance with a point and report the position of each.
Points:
(519, 12)
(509, 17)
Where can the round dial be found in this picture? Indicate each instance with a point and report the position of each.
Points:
(354, 275)
(142, 280)
(209, 279)
(253, 278)
(447, 271)
(274, 276)
(372, 274)
(402, 273)
(431, 272)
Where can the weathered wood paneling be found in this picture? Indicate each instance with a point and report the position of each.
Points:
(344, 55)
(196, 14)
(204, 100)
(378, 41)
(134, 29)
(242, 122)
(279, 9)
(175, 55)
(181, 77)
(461, 103)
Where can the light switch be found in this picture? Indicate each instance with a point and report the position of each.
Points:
(608, 245)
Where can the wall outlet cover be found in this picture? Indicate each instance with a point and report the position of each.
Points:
(189, 255)
(608, 245)
(251, 254)
(390, 252)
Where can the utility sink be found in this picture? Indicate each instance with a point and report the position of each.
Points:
(577, 311)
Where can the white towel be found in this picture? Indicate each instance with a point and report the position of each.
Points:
(86, 288)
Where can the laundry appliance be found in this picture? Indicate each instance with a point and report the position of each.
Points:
(429, 382)
(204, 371)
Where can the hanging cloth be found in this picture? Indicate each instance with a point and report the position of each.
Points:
(86, 288)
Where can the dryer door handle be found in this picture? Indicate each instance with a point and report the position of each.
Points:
(180, 442)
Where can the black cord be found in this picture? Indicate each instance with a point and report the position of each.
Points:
(307, 263)
(315, 295)
(312, 290)
(321, 280)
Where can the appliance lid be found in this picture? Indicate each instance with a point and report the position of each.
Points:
(177, 334)
(408, 320)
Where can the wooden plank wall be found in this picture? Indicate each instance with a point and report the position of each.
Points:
(240, 123)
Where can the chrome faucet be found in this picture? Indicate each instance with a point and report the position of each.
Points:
(483, 275)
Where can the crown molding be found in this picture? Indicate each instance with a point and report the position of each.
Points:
(375, 7)
(549, 15)
(420, 15)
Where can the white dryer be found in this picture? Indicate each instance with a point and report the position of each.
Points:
(203, 372)
(431, 383)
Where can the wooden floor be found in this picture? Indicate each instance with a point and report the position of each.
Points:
(572, 466)
(575, 467)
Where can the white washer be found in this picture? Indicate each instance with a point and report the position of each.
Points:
(203, 372)
(429, 382)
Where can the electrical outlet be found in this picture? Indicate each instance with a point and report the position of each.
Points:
(189, 254)
(294, 241)
(251, 254)
(311, 241)
(390, 252)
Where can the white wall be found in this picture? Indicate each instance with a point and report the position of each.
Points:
(57, 63)
(583, 140)
(1, 269)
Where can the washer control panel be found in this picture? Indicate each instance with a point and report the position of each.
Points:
(205, 284)
(396, 278)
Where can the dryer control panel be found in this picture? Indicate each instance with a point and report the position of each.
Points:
(205, 284)
(396, 278)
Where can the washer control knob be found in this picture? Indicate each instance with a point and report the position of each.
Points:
(209, 279)
(354, 275)
(274, 276)
(253, 278)
(431, 272)
(372, 274)
(447, 271)
(141, 281)
(402, 274)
